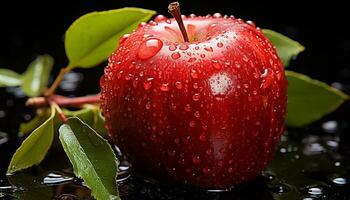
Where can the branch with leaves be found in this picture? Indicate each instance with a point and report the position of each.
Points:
(88, 42)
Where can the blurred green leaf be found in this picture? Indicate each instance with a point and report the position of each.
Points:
(309, 99)
(34, 148)
(286, 47)
(92, 158)
(37, 75)
(94, 36)
(9, 78)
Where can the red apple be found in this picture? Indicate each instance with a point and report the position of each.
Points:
(208, 112)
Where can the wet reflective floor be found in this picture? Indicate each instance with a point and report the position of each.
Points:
(310, 163)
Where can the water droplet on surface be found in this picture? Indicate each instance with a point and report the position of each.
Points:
(149, 48)
(196, 114)
(194, 74)
(175, 55)
(210, 49)
(164, 87)
(160, 18)
(217, 15)
(330, 126)
(178, 85)
(55, 178)
(219, 44)
(202, 137)
(192, 124)
(196, 97)
(206, 170)
(230, 170)
(123, 38)
(172, 47)
(251, 23)
(196, 160)
(314, 190)
(279, 188)
(188, 107)
(183, 47)
(148, 105)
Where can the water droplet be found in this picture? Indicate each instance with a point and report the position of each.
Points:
(149, 48)
(251, 23)
(195, 85)
(216, 64)
(202, 55)
(171, 153)
(209, 152)
(210, 49)
(164, 87)
(217, 15)
(55, 178)
(160, 18)
(192, 124)
(339, 181)
(194, 74)
(206, 170)
(178, 85)
(264, 74)
(172, 47)
(279, 188)
(219, 44)
(196, 97)
(221, 163)
(153, 137)
(183, 47)
(314, 191)
(196, 160)
(196, 114)
(188, 107)
(330, 126)
(123, 38)
(148, 105)
(147, 85)
(142, 24)
(196, 47)
(230, 170)
(202, 137)
(175, 55)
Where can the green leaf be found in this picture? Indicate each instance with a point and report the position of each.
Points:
(286, 47)
(9, 78)
(37, 75)
(94, 36)
(309, 99)
(34, 148)
(92, 158)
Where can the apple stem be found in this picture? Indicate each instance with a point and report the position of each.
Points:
(174, 10)
(63, 101)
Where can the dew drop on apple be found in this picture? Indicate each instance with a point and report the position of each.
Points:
(178, 85)
(251, 23)
(196, 160)
(149, 48)
(192, 124)
(197, 114)
(210, 49)
(219, 44)
(160, 18)
(202, 137)
(175, 55)
(188, 107)
(196, 97)
(123, 38)
(194, 74)
(172, 47)
(217, 15)
(206, 170)
(183, 47)
(164, 87)
(148, 105)
(216, 64)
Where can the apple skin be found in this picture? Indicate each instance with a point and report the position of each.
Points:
(208, 112)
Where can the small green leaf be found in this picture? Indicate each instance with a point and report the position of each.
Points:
(286, 47)
(34, 148)
(309, 99)
(94, 36)
(85, 115)
(9, 78)
(37, 75)
(92, 158)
